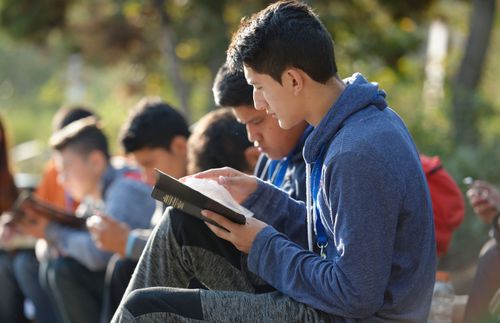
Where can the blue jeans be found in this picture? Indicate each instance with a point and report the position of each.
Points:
(12, 299)
(76, 291)
(26, 272)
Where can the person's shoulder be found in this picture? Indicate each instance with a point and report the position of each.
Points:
(372, 129)
(126, 182)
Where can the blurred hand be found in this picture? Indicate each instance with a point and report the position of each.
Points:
(34, 227)
(33, 223)
(240, 235)
(6, 234)
(108, 233)
(485, 199)
(239, 185)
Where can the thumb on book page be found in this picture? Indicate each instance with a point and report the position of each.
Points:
(240, 187)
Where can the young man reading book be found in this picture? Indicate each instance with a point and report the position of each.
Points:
(370, 201)
(26, 266)
(73, 272)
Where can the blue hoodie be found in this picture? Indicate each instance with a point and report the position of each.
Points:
(375, 206)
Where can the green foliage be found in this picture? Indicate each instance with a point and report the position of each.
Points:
(30, 20)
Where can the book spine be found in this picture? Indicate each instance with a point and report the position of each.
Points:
(182, 205)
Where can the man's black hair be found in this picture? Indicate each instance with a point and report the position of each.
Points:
(82, 136)
(286, 34)
(67, 115)
(152, 124)
(231, 89)
(218, 140)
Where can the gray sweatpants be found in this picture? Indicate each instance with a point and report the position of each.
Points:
(181, 248)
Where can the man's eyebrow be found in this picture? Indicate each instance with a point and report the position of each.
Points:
(253, 119)
(249, 120)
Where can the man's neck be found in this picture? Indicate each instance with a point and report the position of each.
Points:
(180, 170)
(98, 189)
(322, 98)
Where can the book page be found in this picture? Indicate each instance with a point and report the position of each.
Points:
(218, 193)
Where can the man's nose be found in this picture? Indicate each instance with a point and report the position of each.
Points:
(259, 101)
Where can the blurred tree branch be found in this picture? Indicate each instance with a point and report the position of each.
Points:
(172, 61)
(464, 100)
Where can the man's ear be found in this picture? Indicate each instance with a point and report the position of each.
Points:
(294, 79)
(178, 146)
(252, 155)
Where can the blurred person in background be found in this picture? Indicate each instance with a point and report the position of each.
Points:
(155, 136)
(73, 270)
(485, 199)
(48, 190)
(8, 190)
(219, 140)
(12, 300)
(448, 204)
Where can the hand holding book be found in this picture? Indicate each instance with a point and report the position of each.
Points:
(241, 236)
(221, 219)
(192, 201)
(238, 184)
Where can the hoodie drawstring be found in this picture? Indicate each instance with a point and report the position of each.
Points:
(313, 183)
(309, 207)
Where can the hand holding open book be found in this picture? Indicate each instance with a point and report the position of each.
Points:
(224, 219)
(196, 195)
(238, 184)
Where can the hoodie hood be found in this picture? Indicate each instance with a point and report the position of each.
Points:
(358, 95)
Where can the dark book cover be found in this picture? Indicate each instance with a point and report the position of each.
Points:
(28, 200)
(186, 199)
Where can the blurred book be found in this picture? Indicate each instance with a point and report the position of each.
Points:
(29, 202)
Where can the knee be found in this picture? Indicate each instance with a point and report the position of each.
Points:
(61, 271)
(138, 300)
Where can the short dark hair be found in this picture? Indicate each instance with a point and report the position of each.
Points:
(152, 124)
(231, 89)
(66, 115)
(283, 35)
(82, 136)
(218, 140)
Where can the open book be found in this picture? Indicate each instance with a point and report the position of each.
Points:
(27, 200)
(184, 198)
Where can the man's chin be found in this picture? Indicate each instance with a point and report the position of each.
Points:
(284, 125)
(274, 156)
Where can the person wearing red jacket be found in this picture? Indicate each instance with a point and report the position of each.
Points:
(447, 202)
